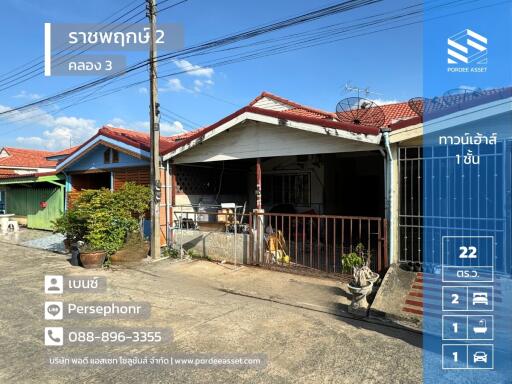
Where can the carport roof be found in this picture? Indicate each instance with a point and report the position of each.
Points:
(31, 178)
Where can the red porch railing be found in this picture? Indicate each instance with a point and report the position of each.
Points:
(319, 241)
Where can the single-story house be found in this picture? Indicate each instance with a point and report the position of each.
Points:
(326, 183)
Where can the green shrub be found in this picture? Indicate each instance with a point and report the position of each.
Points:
(102, 219)
(357, 258)
(350, 260)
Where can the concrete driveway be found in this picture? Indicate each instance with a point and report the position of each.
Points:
(213, 310)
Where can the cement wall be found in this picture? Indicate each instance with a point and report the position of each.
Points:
(215, 245)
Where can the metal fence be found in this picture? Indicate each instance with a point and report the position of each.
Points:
(319, 241)
(314, 242)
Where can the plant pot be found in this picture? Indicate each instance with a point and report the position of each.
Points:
(373, 279)
(92, 259)
(67, 244)
(359, 304)
(133, 251)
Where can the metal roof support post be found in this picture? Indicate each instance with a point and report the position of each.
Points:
(389, 193)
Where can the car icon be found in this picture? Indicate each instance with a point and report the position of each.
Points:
(479, 356)
(480, 298)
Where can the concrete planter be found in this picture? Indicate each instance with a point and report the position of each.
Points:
(92, 259)
(374, 277)
(359, 304)
(130, 254)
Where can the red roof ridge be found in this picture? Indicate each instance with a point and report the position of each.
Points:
(35, 152)
(291, 104)
(63, 152)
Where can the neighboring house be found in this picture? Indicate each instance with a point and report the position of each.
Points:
(25, 161)
(30, 187)
(111, 158)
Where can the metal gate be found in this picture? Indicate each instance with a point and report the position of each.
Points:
(411, 204)
(436, 163)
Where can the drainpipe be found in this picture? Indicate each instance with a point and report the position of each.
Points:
(167, 205)
(66, 191)
(389, 193)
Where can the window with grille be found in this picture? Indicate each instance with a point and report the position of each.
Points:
(287, 189)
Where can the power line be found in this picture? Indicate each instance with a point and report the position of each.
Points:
(169, 6)
(36, 69)
(40, 57)
(181, 117)
(340, 7)
(250, 56)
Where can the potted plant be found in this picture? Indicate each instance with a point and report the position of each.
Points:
(90, 257)
(360, 286)
(359, 258)
(363, 278)
(133, 200)
(101, 220)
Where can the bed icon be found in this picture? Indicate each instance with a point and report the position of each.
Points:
(480, 298)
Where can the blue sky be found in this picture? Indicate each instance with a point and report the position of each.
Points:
(389, 62)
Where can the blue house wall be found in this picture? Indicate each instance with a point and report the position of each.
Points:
(94, 161)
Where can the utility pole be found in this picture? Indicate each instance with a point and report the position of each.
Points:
(154, 126)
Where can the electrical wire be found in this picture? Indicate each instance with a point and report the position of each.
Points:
(249, 56)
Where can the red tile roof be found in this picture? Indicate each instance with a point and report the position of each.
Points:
(64, 152)
(26, 158)
(298, 109)
(397, 112)
(393, 112)
(141, 139)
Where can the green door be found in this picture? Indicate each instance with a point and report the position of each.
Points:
(27, 201)
(40, 217)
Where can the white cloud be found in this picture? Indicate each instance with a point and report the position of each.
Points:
(194, 70)
(172, 128)
(143, 90)
(63, 132)
(173, 85)
(197, 85)
(116, 122)
(384, 102)
(59, 130)
(167, 129)
(26, 95)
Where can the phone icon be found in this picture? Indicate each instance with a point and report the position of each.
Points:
(53, 336)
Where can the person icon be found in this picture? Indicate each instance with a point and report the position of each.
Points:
(53, 284)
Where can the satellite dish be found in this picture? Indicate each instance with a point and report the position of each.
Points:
(460, 95)
(418, 105)
(360, 111)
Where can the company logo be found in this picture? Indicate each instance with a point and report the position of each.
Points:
(467, 52)
(467, 47)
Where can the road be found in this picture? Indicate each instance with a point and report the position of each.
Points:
(298, 345)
